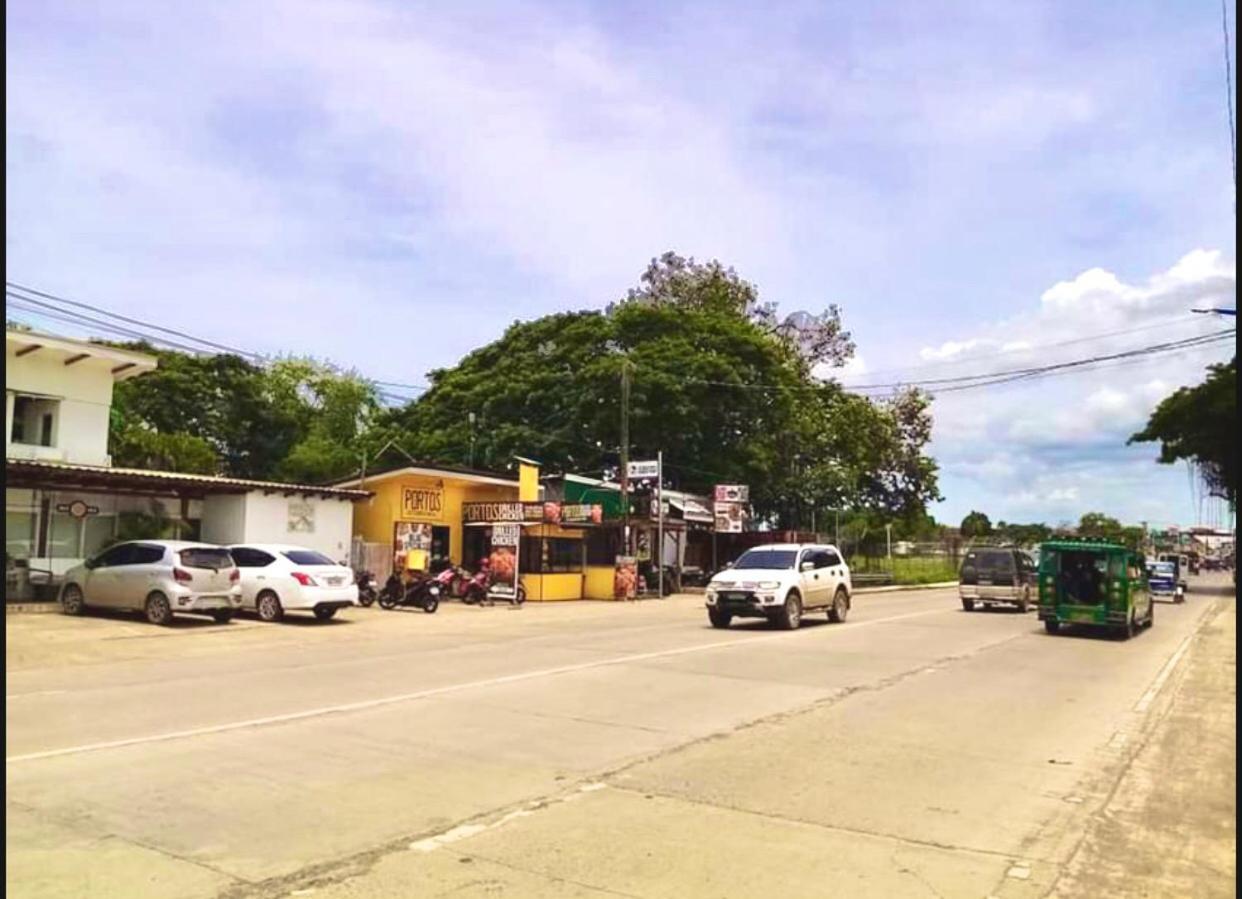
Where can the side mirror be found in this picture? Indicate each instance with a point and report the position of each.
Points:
(807, 566)
(728, 565)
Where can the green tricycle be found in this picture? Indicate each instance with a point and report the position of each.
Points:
(1094, 584)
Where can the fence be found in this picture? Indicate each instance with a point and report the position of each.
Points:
(373, 557)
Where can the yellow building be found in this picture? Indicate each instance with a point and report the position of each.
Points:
(429, 516)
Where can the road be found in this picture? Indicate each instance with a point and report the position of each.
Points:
(598, 749)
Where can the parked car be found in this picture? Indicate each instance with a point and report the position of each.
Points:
(157, 577)
(277, 578)
(997, 576)
(780, 582)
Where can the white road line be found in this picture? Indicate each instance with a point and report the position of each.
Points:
(452, 688)
(8, 696)
(1149, 697)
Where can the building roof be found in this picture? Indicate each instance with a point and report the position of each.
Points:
(123, 363)
(33, 473)
(431, 470)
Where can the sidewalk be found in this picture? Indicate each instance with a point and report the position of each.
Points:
(1170, 828)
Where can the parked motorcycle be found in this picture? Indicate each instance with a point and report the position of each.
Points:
(367, 594)
(421, 592)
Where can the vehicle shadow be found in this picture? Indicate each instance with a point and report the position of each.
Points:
(179, 622)
(762, 625)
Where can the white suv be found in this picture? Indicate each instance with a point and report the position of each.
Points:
(781, 581)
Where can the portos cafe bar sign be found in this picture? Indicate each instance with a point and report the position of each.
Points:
(531, 513)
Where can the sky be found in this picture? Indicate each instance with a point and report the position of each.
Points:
(978, 185)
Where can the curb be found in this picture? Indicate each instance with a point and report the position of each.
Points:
(904, 588)
(28, 608)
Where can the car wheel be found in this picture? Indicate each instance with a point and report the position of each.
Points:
(1051, 625)
(791, 614)
(71, 600)
(840, 606)
(718, 618)
(222, 616)
(269, 606)
(158, 610)
(323, 614)
(968, 605)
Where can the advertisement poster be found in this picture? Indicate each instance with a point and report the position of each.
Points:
(411, 545)
(625, 578)
(729, 518)
(503, 560)
(301, 517)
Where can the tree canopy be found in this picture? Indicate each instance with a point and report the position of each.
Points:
(714, 382)
(1200, 425)
(976, 524)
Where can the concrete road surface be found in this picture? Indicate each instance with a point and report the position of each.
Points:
(598, 749)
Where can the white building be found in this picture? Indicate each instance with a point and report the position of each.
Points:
(64, 501)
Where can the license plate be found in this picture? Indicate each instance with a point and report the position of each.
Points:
(334, 581)
(214, 602)
(1082, 615)
(734, 596)
(985, 582)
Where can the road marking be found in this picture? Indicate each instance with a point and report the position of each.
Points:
(9, 696)
(1150, 696)
(452, 688)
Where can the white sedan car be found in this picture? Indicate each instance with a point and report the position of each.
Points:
(277, 578)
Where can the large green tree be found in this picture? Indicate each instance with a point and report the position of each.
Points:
(715, 382)
(976, 524)
(1200, 425)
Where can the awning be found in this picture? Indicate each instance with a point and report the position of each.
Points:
(692, 510)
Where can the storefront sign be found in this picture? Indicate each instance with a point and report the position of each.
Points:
(301, 517)
(506, 534)
(77, 509)
(732, 493)
(487, 513)
(641, 470)
(729, 517)
(582, 513)
(422, 502)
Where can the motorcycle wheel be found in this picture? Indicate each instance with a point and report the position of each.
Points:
(519, 597)
(431, 605)
(366, 599)
(387, 601)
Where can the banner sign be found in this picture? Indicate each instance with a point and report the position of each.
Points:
(582, 513)
(506, 534)
(486, 513)
(641, 470)
(422, 502)
(732, 493)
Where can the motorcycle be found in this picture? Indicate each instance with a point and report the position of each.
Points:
(421, 592)
(367, 593)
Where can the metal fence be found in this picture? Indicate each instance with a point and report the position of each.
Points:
(373, 557)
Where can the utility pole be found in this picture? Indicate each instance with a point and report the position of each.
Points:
(888, 536)
(660, 524)
(625, 454)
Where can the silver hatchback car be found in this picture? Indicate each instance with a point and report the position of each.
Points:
(158, 578)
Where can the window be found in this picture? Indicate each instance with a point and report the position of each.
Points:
(206, 557)
(245, 557)
(307, 557)
(117, 555)
(551, 555)
(145, 554)
(19, 533)
(34, 420)
(767, 559)
(603, 545)
(832, 560)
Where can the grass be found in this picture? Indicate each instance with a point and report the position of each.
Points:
(908, 570)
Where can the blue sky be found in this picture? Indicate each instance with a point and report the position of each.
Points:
(390, 184)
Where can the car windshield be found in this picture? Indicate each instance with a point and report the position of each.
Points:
(306, 557)
(772, 559)
(206, 557)
(1162, 568)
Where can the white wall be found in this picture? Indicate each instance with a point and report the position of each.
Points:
(256, 517)
(85, 392)
(224, 518)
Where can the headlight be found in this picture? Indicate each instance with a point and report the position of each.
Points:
(769, 585)
(434, 591)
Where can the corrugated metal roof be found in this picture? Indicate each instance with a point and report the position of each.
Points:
(66, 471)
